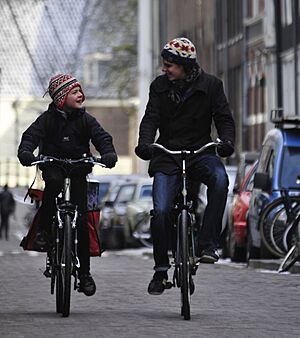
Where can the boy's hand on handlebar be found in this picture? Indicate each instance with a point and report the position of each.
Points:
(109, 159)
(144, 151)
(26, 158)
(225, 149)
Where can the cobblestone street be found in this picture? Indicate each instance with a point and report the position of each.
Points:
(229, 301)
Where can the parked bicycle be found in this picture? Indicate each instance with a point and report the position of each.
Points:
(62, 260)
(185, 262)
(277, 223)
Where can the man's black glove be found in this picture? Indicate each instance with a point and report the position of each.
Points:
(225, 149)
(26, 158)
(109, 159)
(144, 151)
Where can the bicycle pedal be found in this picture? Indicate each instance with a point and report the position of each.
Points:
(47, 273)
(169, 285)
(194, 269)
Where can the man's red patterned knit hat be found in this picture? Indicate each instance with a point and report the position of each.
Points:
(180, 51)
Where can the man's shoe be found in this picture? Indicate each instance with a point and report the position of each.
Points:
(209, 256)
(87, 285)
(158, 283)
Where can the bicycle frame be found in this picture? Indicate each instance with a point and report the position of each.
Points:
(63, 262)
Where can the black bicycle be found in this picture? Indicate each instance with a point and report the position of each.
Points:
(185, 262)
(62, 260)
(291, 237)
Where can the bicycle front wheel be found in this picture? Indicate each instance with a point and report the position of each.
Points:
(66, 265)
(184, 264)
(58, 276)
(291, 258)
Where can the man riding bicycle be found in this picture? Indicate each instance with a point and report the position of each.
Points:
(65, 131)
(182, 105)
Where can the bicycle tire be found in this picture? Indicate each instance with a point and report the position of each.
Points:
(185, 301)
(291, 258)
(58, 277)
(66, 265)
(273, 224)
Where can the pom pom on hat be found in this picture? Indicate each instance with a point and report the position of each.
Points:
(59, 87)
(179, 51)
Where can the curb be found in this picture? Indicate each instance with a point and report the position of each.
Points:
(258, 264)
(272, 264)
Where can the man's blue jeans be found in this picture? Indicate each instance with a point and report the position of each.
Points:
(209, 170)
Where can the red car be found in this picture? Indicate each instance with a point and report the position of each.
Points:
(237, 229)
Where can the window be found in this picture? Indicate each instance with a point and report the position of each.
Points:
(146, 192)
(96, 68)
(249, 184)
(286, 12)
(290, 170)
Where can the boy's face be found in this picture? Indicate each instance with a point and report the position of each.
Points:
(74, 98)
(173, 71)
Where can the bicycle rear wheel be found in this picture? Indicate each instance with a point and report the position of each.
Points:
(184, 264)
(291, 258)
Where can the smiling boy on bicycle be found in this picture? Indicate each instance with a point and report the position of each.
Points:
(65, 131)
(182, 105)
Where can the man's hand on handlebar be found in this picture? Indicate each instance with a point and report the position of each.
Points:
(144, 151)
(26, 158)
(109, 160)
(225, 149)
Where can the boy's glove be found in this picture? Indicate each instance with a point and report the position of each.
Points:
(225, 149)
(144, 151)
(109, 159)
(26, 158)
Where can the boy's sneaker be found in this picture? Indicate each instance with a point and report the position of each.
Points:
(209, 256)
(158, 283)
(87, 285)
(42, 241)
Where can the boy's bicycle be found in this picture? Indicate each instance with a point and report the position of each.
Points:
(62, 260)
(185, 262)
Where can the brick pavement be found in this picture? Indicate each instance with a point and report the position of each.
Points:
(229, 301)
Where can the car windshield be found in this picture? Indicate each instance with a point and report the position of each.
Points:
(146, 192)
(112, 194)
(125, 193)
(290, 170)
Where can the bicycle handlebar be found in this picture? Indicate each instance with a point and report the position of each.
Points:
(177, 152)
(84, 160)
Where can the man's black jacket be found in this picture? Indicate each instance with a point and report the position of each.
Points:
(186, 125)
(65, 137)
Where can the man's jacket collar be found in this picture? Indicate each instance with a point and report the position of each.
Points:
(201, 83)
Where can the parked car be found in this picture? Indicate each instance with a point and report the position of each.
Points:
(231, 172)
(106, 182)
(110, 187)
(236, 235)
(137, 220)
(114, 228)
(278, 168)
